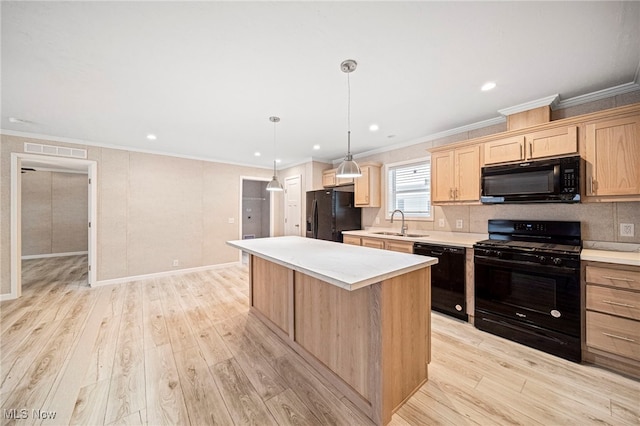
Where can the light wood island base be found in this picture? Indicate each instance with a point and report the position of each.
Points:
(372, 343)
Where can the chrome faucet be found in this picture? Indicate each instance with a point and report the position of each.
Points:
(403, 229)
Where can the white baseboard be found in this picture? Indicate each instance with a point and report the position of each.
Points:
(42, 256)
(162, 274)
(8, 296)
(11, 296)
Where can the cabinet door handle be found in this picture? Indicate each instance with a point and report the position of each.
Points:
(521, 156)
(451, 193)
(611, 302)
(455, 194)
(592, 186)
(530, 149)
(626, 339)
(618, 279)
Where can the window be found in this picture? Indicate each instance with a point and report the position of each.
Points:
(409, 188)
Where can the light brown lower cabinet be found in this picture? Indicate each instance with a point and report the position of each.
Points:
(351, 239)
(385, 244)
(372, 242)
(612, 317)
(401, 246)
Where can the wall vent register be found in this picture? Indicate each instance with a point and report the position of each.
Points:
(58, 151)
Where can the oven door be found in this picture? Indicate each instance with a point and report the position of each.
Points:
(541, 295)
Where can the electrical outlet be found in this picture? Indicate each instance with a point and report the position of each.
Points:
(441, 223)
(176, 262)
(377, 220)
(626, 230)
(459, 223)
(232, 220)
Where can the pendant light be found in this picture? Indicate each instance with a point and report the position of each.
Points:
(348, 168)
(274, 185)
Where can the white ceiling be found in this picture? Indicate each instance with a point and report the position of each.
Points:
(205, 76)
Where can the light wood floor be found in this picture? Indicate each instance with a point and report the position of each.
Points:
(184, 350)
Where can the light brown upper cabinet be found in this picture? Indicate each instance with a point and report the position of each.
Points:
(367, 187)
(612, 154)
(504, 150)
(544, 143)
(329, 179)
(455, 175)
(551, 142)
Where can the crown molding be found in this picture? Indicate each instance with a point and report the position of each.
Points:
(547, 101)
(42, 137)
(600, 94)
(429, 138)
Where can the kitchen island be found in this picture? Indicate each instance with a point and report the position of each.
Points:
(359, 316)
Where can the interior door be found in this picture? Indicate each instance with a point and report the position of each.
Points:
(293, 206)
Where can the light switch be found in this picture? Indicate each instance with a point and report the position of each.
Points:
(441, 223)
(459, 223)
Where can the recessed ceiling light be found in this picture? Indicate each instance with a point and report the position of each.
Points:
(152, 137)
(18, 120)
(278, 160)
(257, 154)
(374, 128)
(316, 147)
(488, 86)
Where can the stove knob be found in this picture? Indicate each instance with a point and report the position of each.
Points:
(499, 254)
(542, 260)
(557, 261)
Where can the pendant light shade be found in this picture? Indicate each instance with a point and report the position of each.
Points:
(274, 185)
(348, 168)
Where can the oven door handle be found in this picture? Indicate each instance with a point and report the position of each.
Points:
(490, 261)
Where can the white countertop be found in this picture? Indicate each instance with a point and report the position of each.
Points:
(346, 266)
(620, 257)
(457, 239)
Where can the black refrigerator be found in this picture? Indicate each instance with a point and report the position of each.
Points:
(331, 211)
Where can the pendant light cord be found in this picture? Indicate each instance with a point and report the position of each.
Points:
(274, 148)
(348, 115)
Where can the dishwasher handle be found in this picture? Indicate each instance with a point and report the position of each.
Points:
(433, 250)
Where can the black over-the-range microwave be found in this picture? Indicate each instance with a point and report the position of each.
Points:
(555, 180)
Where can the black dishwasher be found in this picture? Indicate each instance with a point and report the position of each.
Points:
(447, 278)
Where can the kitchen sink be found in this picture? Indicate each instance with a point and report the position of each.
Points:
(397, 234)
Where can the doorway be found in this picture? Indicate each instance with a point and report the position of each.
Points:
(293, 206)
(256, 209)
(60, 174)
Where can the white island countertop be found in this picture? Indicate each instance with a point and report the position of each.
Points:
(343, 265)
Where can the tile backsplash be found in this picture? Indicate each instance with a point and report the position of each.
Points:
(600, 221)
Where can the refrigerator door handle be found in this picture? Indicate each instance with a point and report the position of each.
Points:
(314, 216)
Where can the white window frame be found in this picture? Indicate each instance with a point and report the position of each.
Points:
(408, 216)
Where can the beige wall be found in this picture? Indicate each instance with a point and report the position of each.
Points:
(152, 209)
(54, 212)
